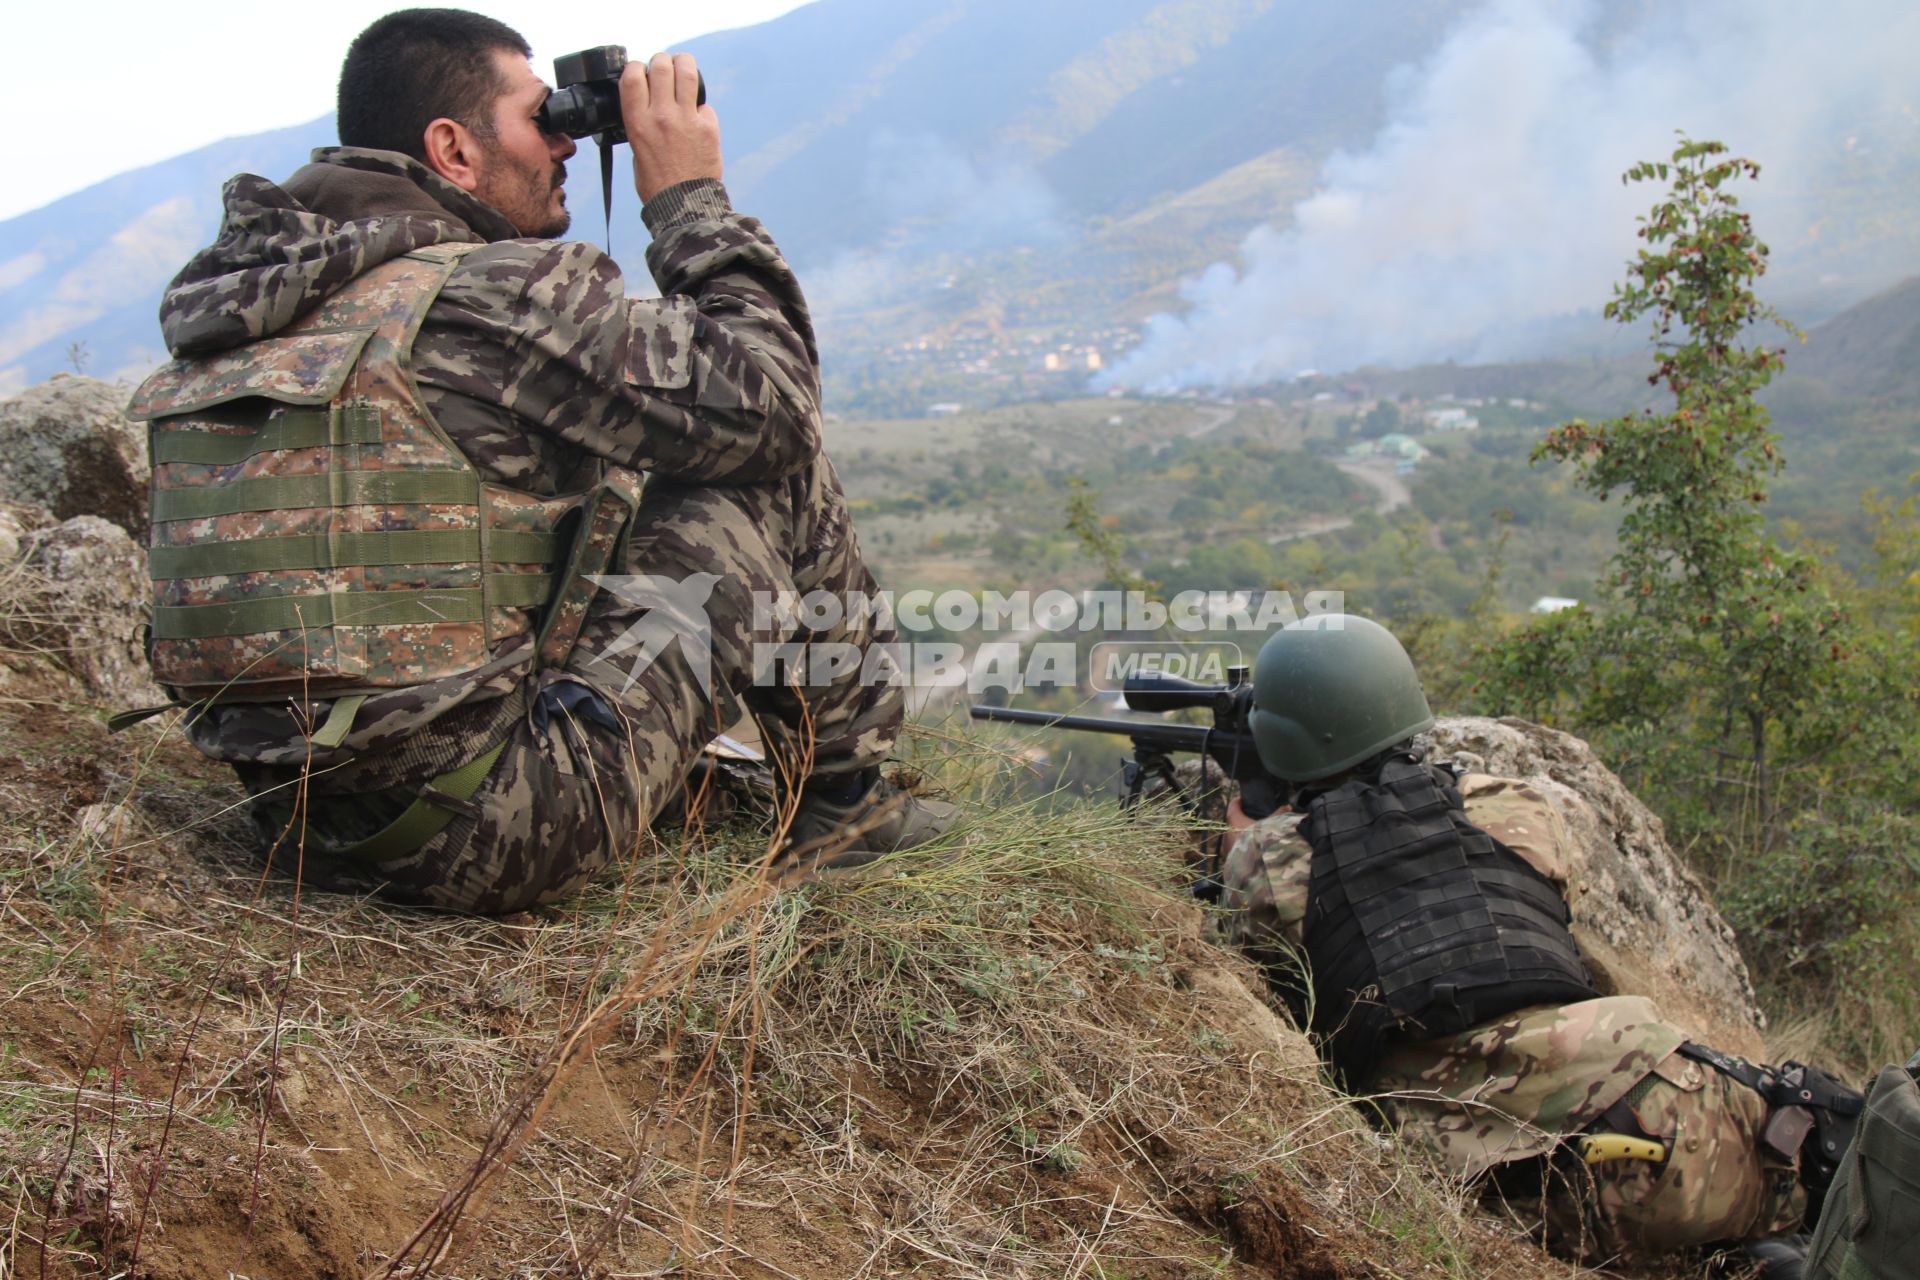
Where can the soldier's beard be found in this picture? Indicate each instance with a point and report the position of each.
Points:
(526, 197)
(557, 225)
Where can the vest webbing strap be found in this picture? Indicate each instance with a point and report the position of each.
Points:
(339, 721)
(420, 821)
(519, 590)
(349, 609)
(292, 429)
(335, 489)
(339, 550)
(606, 513)
(522, 546)
(328, 609)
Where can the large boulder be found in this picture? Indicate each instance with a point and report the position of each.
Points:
(1643, 920)
(67, 445)
(18, 523)
(76, 602)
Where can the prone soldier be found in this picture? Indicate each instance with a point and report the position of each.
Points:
(1410, 916)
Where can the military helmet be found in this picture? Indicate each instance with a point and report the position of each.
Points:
(1329, 691)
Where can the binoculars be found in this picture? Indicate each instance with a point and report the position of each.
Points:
(587, 100)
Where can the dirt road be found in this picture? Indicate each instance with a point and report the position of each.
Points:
(1391, 490)
(1384, 480)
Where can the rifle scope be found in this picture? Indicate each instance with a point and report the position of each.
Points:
(1171, 693)
(1229, 702)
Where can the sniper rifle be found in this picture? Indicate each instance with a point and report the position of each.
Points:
(1228, 742)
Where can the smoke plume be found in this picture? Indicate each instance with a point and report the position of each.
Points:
(1490, 209)
(940, 206)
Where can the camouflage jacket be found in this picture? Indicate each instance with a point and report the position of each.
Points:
(1503, 1091)
(534, 360)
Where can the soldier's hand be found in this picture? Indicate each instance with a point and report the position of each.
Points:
(1237, 819)
(673, 140)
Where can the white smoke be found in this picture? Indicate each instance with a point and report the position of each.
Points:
(941, 207)
(1490, 208)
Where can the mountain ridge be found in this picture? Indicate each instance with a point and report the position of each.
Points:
(108, 326)
(984, 166)
(858, 125)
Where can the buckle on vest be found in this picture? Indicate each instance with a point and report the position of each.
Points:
(1787, 1128)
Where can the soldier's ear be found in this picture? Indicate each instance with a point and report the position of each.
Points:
(453, 152)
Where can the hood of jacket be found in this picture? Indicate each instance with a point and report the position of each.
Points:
(283, 249)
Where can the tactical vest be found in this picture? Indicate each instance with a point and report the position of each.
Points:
(1418, 923)
(313, 528)
(1870, 1226)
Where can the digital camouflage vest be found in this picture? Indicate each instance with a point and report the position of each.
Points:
(313, 528)
(1418, 923)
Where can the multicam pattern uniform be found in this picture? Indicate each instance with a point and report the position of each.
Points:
(1509, 1091)
(537, 365)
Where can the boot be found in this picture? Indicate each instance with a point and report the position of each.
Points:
(1780, 1258)
(855, 821)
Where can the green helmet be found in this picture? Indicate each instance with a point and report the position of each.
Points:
(1328, 692)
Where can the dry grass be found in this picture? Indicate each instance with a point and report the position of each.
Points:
(32, 639)
(1022, 1059)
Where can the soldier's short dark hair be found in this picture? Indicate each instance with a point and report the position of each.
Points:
(412, 67)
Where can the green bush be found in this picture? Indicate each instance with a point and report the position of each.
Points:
(1828, 924)
(1833, 902)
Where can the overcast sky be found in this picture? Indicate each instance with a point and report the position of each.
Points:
(112, 85)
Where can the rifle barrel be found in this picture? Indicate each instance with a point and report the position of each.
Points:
(1233, 750)
(1096, 724)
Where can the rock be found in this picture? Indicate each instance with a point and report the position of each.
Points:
(66, 444)
(16, 522)
(109, 825)
(1643, 920)
(78, 602)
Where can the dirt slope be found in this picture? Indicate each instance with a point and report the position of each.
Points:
(1024, 1061)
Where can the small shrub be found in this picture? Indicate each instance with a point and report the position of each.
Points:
(1828, 920)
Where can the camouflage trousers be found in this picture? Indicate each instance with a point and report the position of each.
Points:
(595, 748)
(1720, 1181)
